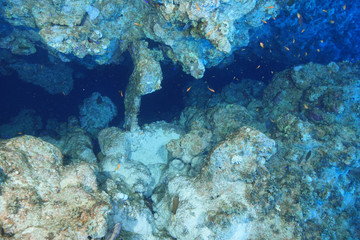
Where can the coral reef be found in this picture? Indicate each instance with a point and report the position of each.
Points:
(46, 76)
(26, 122)
(96, 112)
(137, 158)
(195, 34)
(42, 199)
(252, 161)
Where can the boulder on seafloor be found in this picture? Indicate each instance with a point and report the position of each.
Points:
(40, 198)
(215, 204)
(96, 112)
(137, 157)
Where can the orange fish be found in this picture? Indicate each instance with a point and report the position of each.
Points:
(303, 30)
(270, 7)
(121, 94)
(300, 19)
(197, 7)
(20, 133)
(141, 133)
(208, 33)
(324, 11)
(118, 166)
(286, 48)
(212, 90)
(305, 106)
(188, 89)
(332, 21)
(261, 45)
(264, 21)
(272, 120)
(258, 67)
(344, 7)
(137, 24)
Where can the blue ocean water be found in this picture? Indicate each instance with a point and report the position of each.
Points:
(297, 79)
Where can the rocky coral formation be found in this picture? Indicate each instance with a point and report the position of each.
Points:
(214, 204)
(42, 199)
(26, 122)
(46, 76)
(244, 168)
(137, 158)
(146, 78)
(195, 34)
(96, 112)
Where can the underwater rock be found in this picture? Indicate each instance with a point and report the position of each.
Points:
(214, 204)
(26, 122)
(43, 199)
(137, 158)
(214, 29)
(46, 76)
(96, 112)
(146, 78)
(75, 143)
(324, 94)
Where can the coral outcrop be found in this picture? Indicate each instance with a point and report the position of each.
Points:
(96, 112)
(40, 198)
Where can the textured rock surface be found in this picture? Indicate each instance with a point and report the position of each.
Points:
(137, 158)
(26, 122)
(46, 76)
(214, 205)
(96, 112)
(42, 199)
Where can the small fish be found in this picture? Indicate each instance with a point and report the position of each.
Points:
(188, 89)
(300, 19)
(269, 7)
(308, 155)
(63, 93)
(318, 50)
(324, 11)
(303, 30)
(264, 21)
(117, 168)
(121, 94)
(41, 66)
(175, 205)
(306, 54)
(212, 90)
(286, 48)
(258, 67)
(208, 33)
(305, 106)
(344, 7)
(197, 7)
(261, 44)
(141, 133)
(332, 21)
(137, 24)
(271, 120)
(293, 40)
(20, 133)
